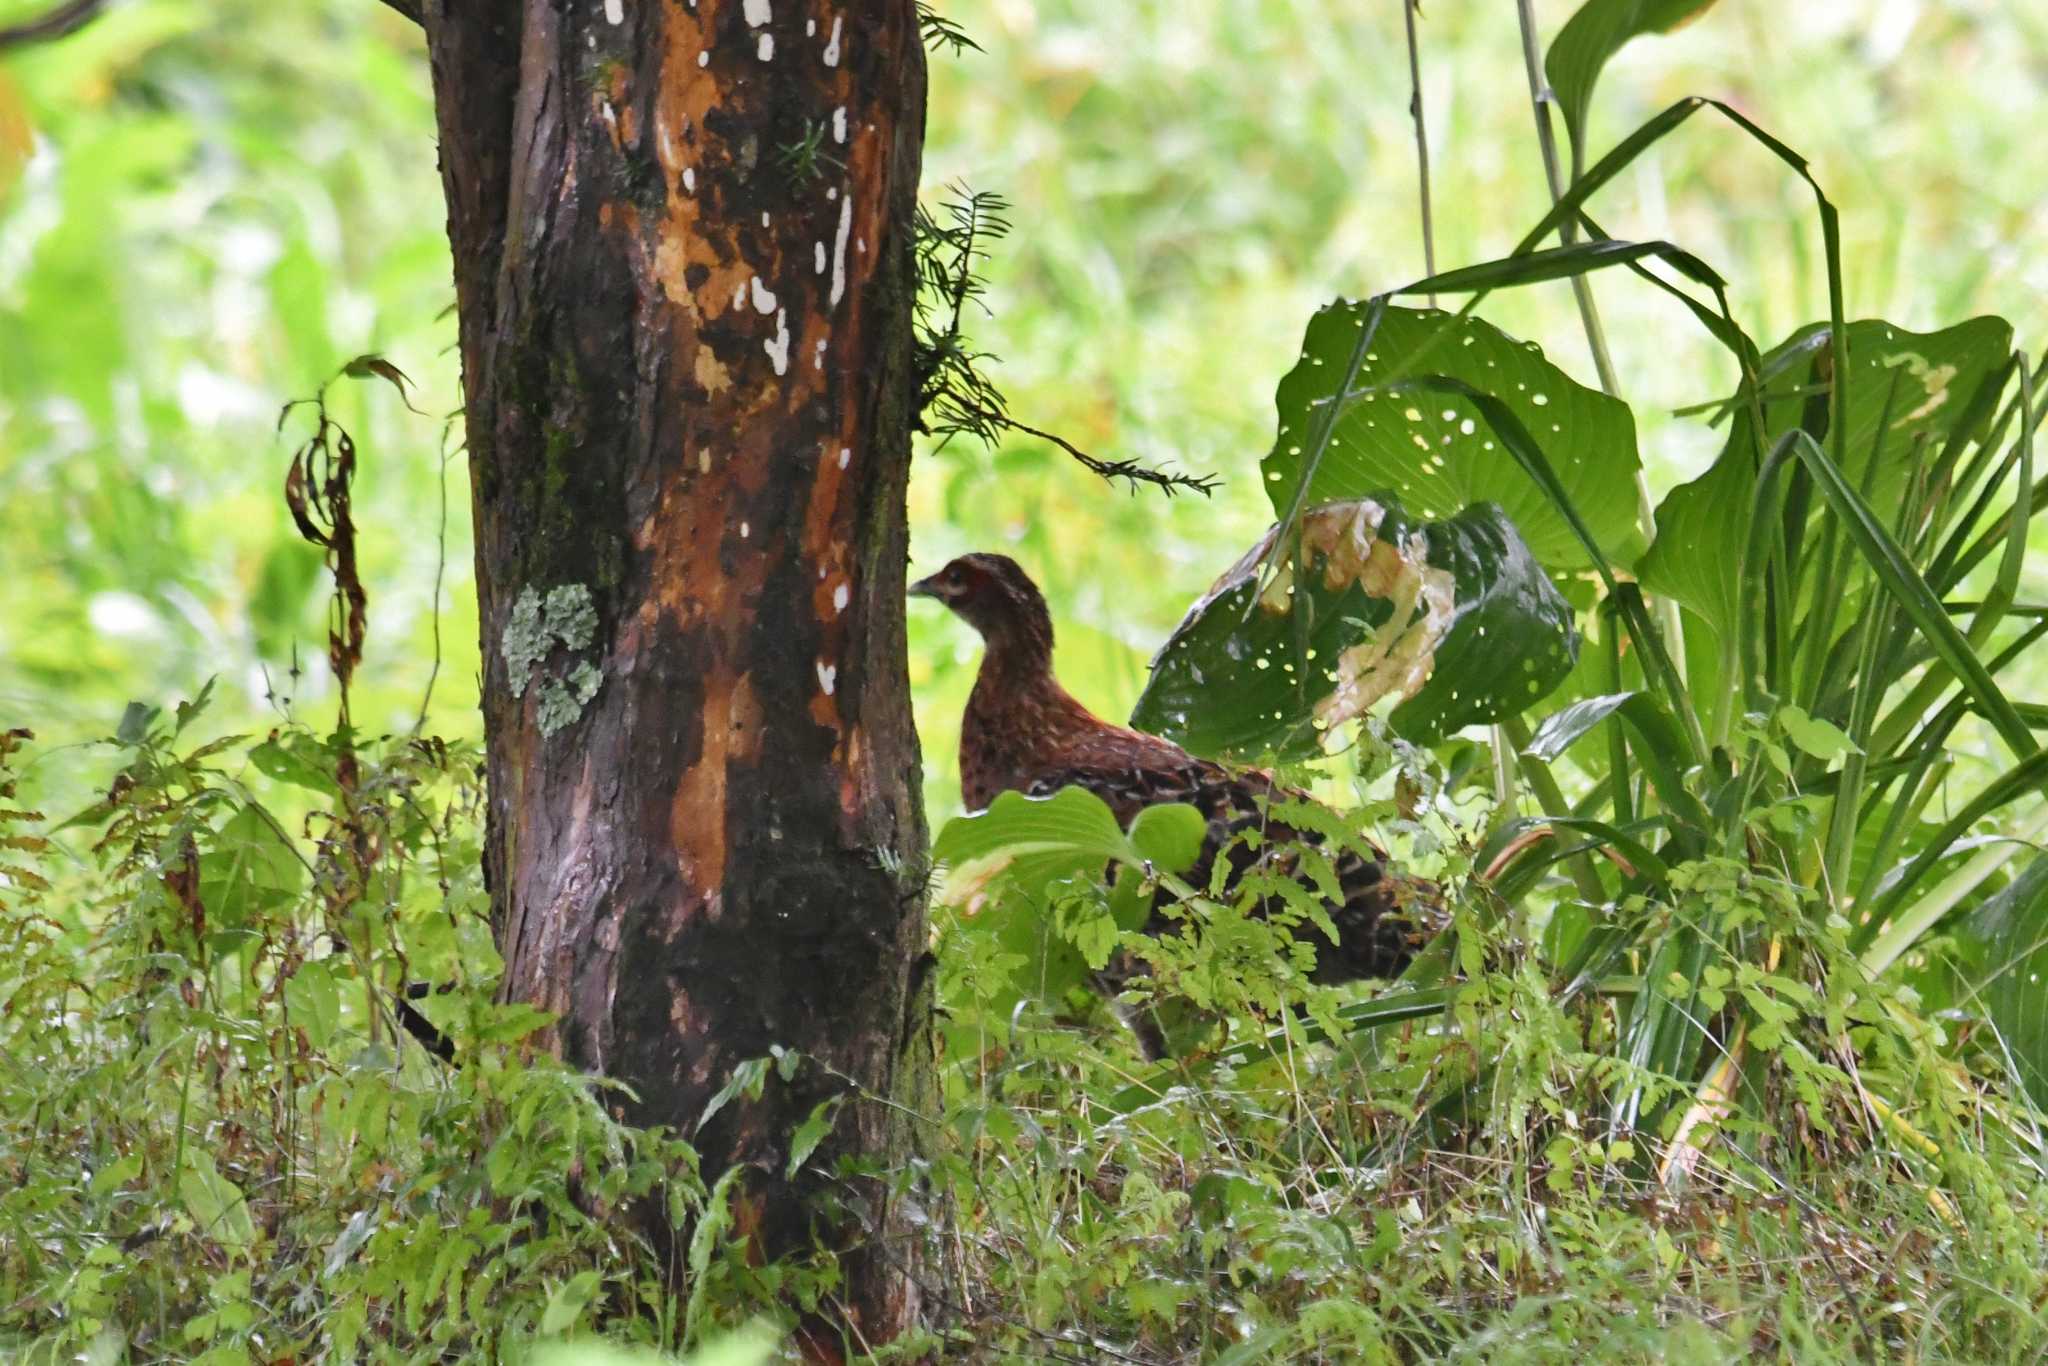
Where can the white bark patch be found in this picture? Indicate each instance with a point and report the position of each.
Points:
(765, 49)
(704, 57)
(832, 47)
(764, 297)
(744, 529)
(839, 248)
(615, 12)
(828, 676)
(739, 296)
(818, 255)
(818, 357)
(810, 28)
(839, 124)
(690, 179)
(758, 12)
(840, 597)
(777, 347)
(845, 456)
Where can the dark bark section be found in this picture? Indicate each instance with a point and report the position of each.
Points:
(683, 268)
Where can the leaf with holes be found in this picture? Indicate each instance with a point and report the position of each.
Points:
(1455, 619)
(1434, 454)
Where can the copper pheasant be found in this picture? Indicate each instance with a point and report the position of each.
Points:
(1025, 733)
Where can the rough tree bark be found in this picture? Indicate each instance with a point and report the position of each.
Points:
(683, 259)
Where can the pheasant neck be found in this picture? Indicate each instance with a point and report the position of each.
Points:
(1017, 715)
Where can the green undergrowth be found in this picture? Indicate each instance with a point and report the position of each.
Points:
(219, 1142)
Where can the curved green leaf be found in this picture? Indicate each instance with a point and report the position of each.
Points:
(1007, 866)
(2008, 935)
(1437, 455)
(1561, 729)
(1914, 597)
(1592, 36)
(1033, 841)
(1455, 618)
(1703, 526)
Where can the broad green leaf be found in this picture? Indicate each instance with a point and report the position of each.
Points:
(1561, 729)
(1029, 840)
(249, 869)
(567, 1304)
(1435, 454)
(296, 758)
(314, 1001)
(214, 1202)
(2009, 936)
(1455, 619)
(1593, 35)
(1913, 386)
(1169, 837)
(1008, 866)
(809, 1134)
(1819, 738)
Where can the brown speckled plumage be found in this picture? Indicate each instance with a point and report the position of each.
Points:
(1023, 732)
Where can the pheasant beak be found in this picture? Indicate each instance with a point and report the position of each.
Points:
(926, 588)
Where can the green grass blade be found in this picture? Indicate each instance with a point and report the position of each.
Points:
(2028, 776)
(1913, 595)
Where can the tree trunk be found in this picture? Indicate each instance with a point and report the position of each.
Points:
(683, 260)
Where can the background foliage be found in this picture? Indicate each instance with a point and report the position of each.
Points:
(226, 201)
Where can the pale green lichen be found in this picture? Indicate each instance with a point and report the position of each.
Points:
(561, 702)
(571, 615)
(526, 640)
(568, 617)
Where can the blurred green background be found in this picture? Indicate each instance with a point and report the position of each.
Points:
(206, 208)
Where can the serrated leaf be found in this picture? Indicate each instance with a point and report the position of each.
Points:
(747, 1080)
(1454, 619)
(1435, 455)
